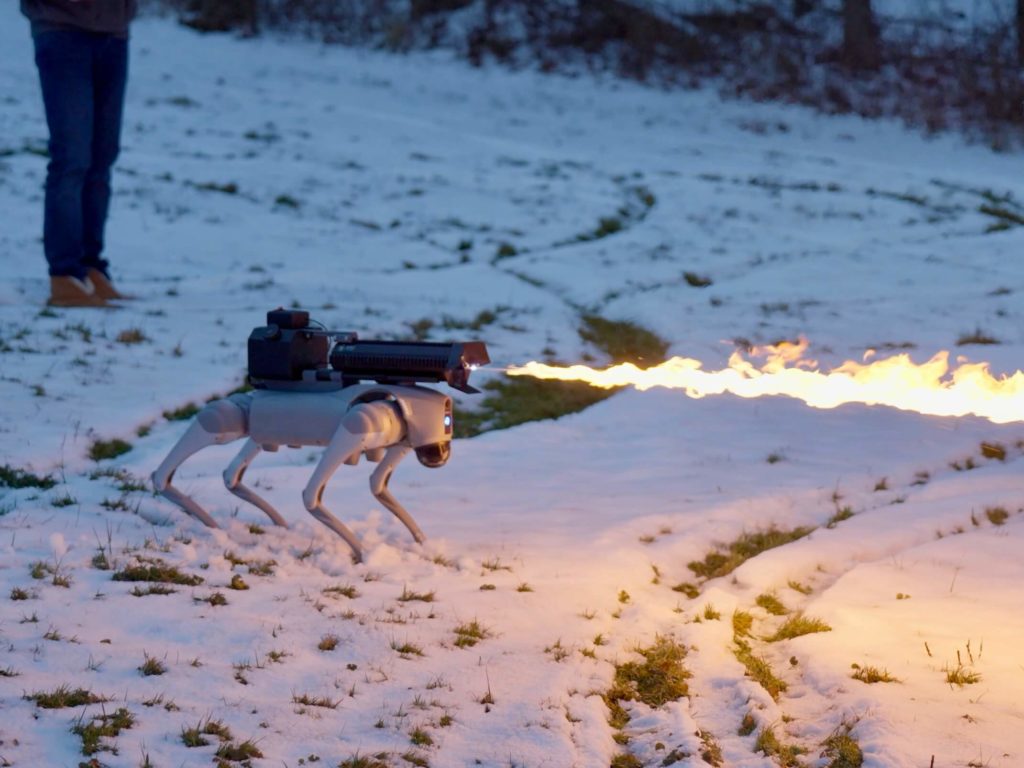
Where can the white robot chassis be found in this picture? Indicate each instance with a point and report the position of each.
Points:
(301, 401)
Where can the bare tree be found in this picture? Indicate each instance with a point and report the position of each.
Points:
(861, 43)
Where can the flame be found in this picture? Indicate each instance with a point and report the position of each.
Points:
(933, 387)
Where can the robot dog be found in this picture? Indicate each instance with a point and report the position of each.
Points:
(309, 390)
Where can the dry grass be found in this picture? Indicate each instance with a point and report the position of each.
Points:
(727, 558)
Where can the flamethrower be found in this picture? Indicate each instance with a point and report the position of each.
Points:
(310, 390)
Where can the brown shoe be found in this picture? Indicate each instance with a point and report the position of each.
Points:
(104, 288)
(67, 291)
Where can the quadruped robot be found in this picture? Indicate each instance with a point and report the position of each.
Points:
(309, 391)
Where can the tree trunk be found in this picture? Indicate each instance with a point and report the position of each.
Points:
(1020, 33)
(861, 45)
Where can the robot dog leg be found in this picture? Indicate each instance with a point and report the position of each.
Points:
(366, 427)
(220, 422)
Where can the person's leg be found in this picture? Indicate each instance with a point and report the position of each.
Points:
(110, 75)
(65, 74)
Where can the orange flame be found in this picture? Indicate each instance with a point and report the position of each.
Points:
(931, 388)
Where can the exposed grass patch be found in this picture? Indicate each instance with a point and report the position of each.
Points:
(659, 678)
(508, 402)
(152, 666)
(797, 626)
(102, 727)
(421, 738)
(692, 591)
(64, 696)
(742, 623)
(725, 559)
(787, 755)
(238, 583)
(871, 675)
(996, 515)
(470, 633)
(156, 570)
(409, 596)
(845, 513)
(626, 760)
(770, 602)
(841, 749)
(108, 449)
(516, 400)
(184, 413)
(977, 336)
(12, 477)
(341, 590)
(800, 587)
(364, 761)
(130, 336)
(196, 735)
(152, 589)
(747, 726)
(17, 593)
(759, 669)
(238, 752)
(623, 341)
(710, 752)
(328, 642)
(406, 649)
(994, 451)
(696, 281)
(961, 676)
(325, 702)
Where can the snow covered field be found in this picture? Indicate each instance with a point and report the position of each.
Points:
(399, 194)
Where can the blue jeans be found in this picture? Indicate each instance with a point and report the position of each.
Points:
(83, 77)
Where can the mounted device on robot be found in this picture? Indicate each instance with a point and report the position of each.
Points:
(310, 389)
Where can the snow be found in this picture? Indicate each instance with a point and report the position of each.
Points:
(857, 234)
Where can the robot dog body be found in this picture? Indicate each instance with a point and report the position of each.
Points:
(322, 407)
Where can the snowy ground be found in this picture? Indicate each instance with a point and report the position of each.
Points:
(377, 191)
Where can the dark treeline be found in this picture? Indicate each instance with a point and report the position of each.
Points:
(838, 56)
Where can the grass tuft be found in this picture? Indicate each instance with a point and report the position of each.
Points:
(406, 649)
(341, 590)
(152, 666)
(306, 700)
(328, 642)
(841, 749)
(798, 625)
(770, 602)
(787, 755)
(237, 753)
(409, 596)
(102, 727)
(469, 634)
(64, 696)
(108, 449)
(961, 676)
(996, 515)
(363, 761)
(871, 675)
(758, 668)
(724, 560)
(12, 477)
(994, 451)
(656, 680)
(158, 571)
